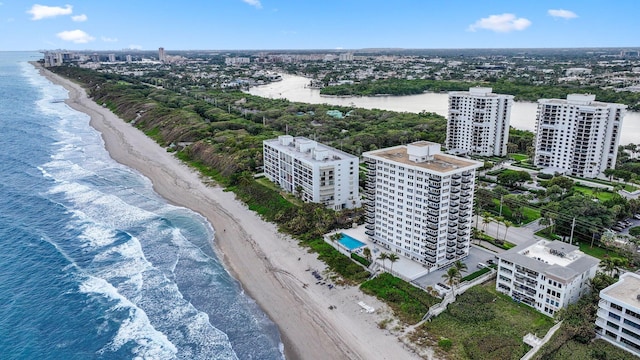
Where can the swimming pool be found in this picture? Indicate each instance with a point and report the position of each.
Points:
(350, 243)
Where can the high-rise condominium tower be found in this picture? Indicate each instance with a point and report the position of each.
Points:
(478, 122)
(578, 136)
(419, 202)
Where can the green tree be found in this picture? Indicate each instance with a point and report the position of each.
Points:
(393, 257)
(451, 278)
(367, 253)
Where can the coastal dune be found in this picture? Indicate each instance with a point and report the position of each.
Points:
(315, 322)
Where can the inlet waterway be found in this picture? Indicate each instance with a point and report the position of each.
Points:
(523, 113)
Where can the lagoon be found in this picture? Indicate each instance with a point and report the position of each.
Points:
(523, 113)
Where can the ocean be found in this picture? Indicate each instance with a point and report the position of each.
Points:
(93, 263)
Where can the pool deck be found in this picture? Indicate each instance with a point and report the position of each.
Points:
(408, 269)
(405, 267)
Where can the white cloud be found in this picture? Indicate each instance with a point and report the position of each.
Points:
(108, 39)
(255, 3)
(561, 13)
(75, 36)
(79, 18)
(135, 47)
(501, 23)
(39, 12)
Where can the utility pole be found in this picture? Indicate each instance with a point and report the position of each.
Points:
(573, 225)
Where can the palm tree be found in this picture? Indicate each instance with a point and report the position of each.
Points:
(608, 265)
(383, 256)
(393, 258)
(367, 253)
(507, 225)
(451, 278)
(460, 266)
(499, 219)
(486, 220)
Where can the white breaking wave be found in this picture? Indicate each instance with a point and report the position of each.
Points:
(151, 344)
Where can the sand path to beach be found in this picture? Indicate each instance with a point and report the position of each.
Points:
(271, 266)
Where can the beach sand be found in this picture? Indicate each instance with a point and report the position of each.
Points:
(272, 267)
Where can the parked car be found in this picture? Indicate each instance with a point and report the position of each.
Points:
(616, 228)
(636, 216)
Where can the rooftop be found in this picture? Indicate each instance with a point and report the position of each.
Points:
(580, 100)
(307, 149)
(440, 163)
(554, 258)
(626, 290)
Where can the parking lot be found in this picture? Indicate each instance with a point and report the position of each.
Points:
(476, 256)
(625, 230)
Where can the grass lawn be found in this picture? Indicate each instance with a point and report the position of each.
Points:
(518, 157)
(596, 251)
(602, 195)
(483, 324)
(629, 188)
(528, 214)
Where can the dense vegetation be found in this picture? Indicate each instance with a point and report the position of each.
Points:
(483, 324)
(408, 302)
(521, 91)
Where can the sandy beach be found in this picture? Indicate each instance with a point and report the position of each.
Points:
(271, 266)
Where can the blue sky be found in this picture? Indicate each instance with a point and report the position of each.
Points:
(316, 24)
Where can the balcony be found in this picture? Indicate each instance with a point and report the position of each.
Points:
(450, 256)
(369, 232)
(433, 206)
(450, 250)
(435, 186)
(430, 259)
(452, 231)
(466, 180)
(460, 252)
(453, 204)
(456, 176)
(451, 237)
(451, 243)
(370, 226)
(461, 246)
(429, 246)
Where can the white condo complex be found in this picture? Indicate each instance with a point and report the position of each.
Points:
(578, 136)
(546, 275)
(419, 202)
(618, 320)
(478, 122)
(319, 173)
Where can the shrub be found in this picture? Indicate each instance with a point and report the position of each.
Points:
(360, 259)
(445, 344)
(544, 176)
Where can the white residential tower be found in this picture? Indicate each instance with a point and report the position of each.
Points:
(313, 171)
(478, 122)
(578, 136)
(419, 202)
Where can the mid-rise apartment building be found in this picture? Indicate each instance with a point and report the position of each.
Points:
(618, 320)
(313, 171)
(546, 275)
(578, 136)
(419, 202)
(478, 122)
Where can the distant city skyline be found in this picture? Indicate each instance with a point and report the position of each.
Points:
(329, 24)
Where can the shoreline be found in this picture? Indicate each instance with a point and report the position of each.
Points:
(314, 322)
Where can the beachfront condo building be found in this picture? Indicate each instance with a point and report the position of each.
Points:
(312, 171)
(478, 122)
(546, 275)
(618, 317)
(419, 202)
(577, 136)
